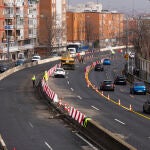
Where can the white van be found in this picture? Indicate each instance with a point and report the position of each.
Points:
(72, 51)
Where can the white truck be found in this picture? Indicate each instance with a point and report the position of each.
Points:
(72, 51)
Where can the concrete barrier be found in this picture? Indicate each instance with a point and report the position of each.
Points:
(27, 65)
(104, 138)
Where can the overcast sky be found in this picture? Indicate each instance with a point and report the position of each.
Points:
(136, 6)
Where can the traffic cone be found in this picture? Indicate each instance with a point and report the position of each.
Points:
(88, 85)
(130, 108)
(119, 102)
(108, 96)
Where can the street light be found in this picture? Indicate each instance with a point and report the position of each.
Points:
(7, 37)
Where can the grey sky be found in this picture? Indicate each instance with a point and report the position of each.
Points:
(130, 6)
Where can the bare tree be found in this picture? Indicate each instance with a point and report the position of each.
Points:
(51, 33)
(141, 37)
(89, 32)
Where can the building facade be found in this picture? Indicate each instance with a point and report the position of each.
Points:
(90, 27)
(52, 26)
(18, 27)
(26, 26)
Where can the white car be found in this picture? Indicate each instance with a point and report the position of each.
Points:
(131, 54)
(59, 72)
(36, 58)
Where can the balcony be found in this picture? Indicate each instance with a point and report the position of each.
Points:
(8, 4)
(20, 37)
(19, 26)
(19, 4)
(11, 38)
(9, 15)
(9, 27)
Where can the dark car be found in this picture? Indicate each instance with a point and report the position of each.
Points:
(107, 85)
(106, 61)
(120, 80)
(146, 107)
(138, 88)
(3, 68)
(19, 62)
(99, 67)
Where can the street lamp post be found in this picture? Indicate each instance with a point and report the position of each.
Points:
(7, 37)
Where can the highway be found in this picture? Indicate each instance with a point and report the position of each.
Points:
(26, 122)
(131, 127)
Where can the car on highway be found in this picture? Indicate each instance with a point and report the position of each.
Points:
(106, 61)
(36, 58)
(107, 85)
(20, 62)
(138, 88)
(3, 68)
(59, 72)
(146, 107)
(132, 54)
(99, 67)
(120, 80)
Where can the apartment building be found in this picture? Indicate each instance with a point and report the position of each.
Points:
(18, 27)
(25, 26)
(52, 26)
(90, 27)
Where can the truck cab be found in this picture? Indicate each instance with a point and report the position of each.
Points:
(72, 51)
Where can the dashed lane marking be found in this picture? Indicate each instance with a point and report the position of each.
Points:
(91, 145)
(72, 89)
(95, 107)
(31, 125)
(79, 97)
(48, 145)
(119, 121)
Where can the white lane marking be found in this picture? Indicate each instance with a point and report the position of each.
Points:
(68, 82)
(31, 125)
(119, 121)
(72, 89)
(94, 107)
(91, 145)
(48, 145)
(131, 96)
(79, 97)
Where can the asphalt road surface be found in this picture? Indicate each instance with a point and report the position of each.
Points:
(131, 127)
(25, 120)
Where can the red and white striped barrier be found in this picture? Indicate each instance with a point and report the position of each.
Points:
(51, 94)
(50, 71)
(77, 115)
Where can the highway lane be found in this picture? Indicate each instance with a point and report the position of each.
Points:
(131, 127)
(25, 120)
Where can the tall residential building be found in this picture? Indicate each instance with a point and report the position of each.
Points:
(52, 26)
(31, 26)
(18, 27)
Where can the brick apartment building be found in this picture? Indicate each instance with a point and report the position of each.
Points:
(52, 25)
(23, 26)
(18, 30)
(95, 26)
